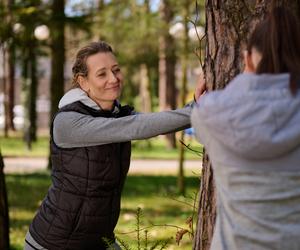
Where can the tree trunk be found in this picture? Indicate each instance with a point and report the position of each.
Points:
(11, 71)
(57, 54)
(183, 93)
(228, 26)
(4, 218)
(5, 89)
(33, 91)
(167, 62)
(26, 85)
(11, 86)
(8, 70)
(30, 86)
(57, 30)
(145, 96)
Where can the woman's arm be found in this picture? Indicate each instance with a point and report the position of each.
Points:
(72, 129)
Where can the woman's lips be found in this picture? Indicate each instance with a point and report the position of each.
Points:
(114, 87)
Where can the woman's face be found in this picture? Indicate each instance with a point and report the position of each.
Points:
(104, 81)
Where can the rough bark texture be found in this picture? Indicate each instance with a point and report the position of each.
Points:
(228, 25)
(4, 219)
(167, 62)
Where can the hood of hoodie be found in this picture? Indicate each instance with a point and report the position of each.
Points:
(255, 116)
(77, 94)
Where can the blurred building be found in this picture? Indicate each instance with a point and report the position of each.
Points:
(43, 98)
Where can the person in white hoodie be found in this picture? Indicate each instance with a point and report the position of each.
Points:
(90, 154)
(251, 131)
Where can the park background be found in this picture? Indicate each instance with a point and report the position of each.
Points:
(157, 44)
(160, 45)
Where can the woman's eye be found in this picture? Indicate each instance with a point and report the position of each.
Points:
(116, 70)
(101, 75)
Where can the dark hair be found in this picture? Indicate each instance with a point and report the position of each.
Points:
(79, 67)
(277, 38)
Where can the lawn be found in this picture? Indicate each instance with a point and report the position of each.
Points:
(154, 148)
(155, 195)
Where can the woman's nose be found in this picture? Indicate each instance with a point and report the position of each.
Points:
(112, 77)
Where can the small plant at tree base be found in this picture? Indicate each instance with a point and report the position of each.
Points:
(142, 243)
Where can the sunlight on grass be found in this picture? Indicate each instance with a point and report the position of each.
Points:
(16, 147)
(154, 148)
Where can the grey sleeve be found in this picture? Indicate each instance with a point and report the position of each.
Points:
(72, 129)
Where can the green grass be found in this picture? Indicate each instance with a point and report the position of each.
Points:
(14, 146)
(154, 148)
(156, 195)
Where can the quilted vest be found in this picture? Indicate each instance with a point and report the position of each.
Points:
(82, 206)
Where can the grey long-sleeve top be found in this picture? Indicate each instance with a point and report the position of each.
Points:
(72, 129)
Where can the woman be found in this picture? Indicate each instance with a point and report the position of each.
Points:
(90, 153)
(251, 131)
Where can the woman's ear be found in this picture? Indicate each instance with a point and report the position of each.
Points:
(249, 66)
(84, 85)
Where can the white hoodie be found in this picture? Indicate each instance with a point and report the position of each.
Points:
(251, 131)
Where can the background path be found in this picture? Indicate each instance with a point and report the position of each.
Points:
(30, 165)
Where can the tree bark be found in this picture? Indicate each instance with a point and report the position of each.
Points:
(228, 25)
(167, 62)
(4, 218)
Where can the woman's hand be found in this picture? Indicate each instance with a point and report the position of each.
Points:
(200, 87)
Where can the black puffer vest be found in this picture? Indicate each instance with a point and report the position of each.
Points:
(83, 204)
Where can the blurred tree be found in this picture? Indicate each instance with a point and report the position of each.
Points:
(227, 29)
(4, 217)
(29, 14)
(10, 74)
(57, 28)
(79, 20)
(6, 45)
(57, 79)
(145, 87)
(183, 91)
(167, 62)
(131, 28)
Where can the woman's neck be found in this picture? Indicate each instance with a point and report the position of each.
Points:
(104, 105)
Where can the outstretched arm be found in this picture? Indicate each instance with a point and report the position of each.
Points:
(72, 129)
